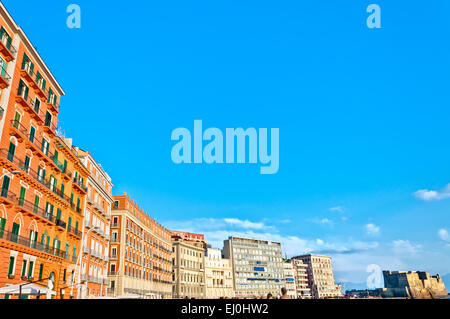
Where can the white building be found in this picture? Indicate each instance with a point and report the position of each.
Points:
(289, 279)
(320, 276)
(219, 275)
(257, 266)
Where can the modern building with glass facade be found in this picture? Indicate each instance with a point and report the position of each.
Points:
(257, 266)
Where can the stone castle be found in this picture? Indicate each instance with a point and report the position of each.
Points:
(413, 284)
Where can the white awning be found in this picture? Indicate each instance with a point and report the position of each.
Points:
(29, 289)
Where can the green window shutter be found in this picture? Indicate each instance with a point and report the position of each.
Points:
(30, 269)
(11, 265)
(2, 223)
(62, 189)
(25, 60)
(71, 199)
(76, 226)
(64, 275)
(59, 245)
(41, 270)
(32, 134)
(36, 203)
(5, 185)
(35, 236)
(26, 165)
(11, 151)
(78, 204)
(51, 209)
(24, 268)
(69, 223)
(22, 196)
(58, 213)
(15, 229)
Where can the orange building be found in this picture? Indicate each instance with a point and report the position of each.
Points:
(140, 261)
(94, 265)
(40, 201)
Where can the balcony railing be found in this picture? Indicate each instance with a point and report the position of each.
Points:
(77, 181)
(8, 50)
(25, 241)
(5, 78)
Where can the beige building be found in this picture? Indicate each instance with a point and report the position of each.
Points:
(412, 284)
(320, 276)
(218, 275)
(289, 279)
(301, 279)
(140, 260)
(188, 255)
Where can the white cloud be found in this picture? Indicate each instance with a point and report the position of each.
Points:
(339, 209)
(405, 246)
(429, 195)
(323, 221)
(443, 234)
(244, 223)
(372, 229)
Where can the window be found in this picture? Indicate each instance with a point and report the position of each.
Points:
(36, 204)
(26, 165)
(22, 196)
(45, 146)
(5, 186)
(37, 105)
(3, 66)
(31, 268)
(11, 151)
(48, 119)
(23, 90)
(24, 268)
(41, 270)
(12, 261)
(5, 38)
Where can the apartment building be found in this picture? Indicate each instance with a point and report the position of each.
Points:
(289, 279)
(218, 275)
(257, 266)
(320, 276)
(301, 279)
(39, 223)
(188, 258)
(139, 253)
(96, 229)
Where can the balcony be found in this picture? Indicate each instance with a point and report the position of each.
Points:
(28, 208)
(18, 130)
(7, 197)
(7, 49)
(50, 128)
(74, 231)
(53, 107)
(26, 242)
(5, 78)
(77, 183)
(61, 224)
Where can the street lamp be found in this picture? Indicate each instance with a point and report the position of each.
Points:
(79, 257)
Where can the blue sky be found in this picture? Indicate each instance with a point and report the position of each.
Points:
(363, 117)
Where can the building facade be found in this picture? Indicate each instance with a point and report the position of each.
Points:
(289, 279)
(257, 266)
(93, 275)
(320, 276)
(140, 253)
(301, 279)
(218, 275)
(188, 258)
(40, 227)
